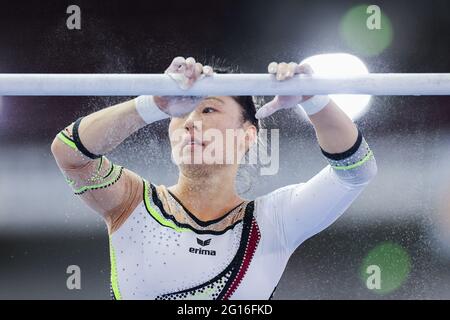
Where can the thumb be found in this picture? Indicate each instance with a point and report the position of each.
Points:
(182, 81)
(268, 109)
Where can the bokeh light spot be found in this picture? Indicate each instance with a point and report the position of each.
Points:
(338, 64)
(362, 39)
(394, 264)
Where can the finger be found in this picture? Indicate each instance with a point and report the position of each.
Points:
(272, 67)
(268, 109)
(198, 69)
(208, 71)
(282, 70)
(190, 60)
(181, 79)
(177, 71)
(190, 67)
(176, 65)
(292, 67)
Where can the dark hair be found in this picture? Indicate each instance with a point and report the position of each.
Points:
(248, 103)
(248, 109)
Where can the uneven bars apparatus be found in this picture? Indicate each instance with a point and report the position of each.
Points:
(393, 84)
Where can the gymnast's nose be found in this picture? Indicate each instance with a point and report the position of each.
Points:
(193, 121)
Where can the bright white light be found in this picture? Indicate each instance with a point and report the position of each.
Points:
(342, 64)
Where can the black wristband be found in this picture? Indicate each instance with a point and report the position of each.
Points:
(77, 141)
(345, 154)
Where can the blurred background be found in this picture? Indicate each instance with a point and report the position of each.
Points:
(401, 221)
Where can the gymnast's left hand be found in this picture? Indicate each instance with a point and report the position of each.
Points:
(284, 71)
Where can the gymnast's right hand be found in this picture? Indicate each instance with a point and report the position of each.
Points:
(185, 72)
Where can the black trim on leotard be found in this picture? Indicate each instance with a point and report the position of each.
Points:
(79, 144)
(160, 206)
(198, 221)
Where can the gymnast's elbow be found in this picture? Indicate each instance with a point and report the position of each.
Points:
(65, 153)
(56, 147)
(59, 151)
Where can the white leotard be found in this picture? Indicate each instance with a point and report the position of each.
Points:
(163, 252)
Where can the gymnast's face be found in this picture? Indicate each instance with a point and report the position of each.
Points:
(214, 133)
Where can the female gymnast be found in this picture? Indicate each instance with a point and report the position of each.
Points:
(199, 239)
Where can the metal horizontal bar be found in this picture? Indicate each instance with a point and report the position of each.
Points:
(222, 84)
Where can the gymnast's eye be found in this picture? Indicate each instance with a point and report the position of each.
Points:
(208, 110)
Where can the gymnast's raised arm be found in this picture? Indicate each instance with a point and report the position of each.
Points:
(79, 149)
(299, 211)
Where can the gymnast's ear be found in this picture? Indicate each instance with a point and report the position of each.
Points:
(251, 135)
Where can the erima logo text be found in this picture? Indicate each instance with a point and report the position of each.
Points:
(202, 251)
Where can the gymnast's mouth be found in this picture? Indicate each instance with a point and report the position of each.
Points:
(191, 141)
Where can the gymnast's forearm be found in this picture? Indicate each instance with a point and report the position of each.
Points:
(335, 131)
(344, 146)
(102, 131)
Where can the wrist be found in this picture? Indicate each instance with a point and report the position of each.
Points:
(148, 109)
(315, 104)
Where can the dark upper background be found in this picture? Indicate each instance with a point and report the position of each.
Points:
(144, 36)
